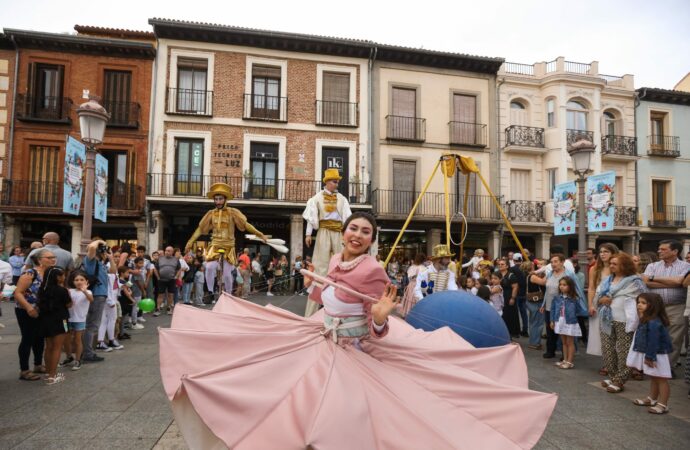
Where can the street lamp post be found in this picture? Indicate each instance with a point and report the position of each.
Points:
(581, 154)
(92, 120)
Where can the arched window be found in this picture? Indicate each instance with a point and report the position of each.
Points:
(576, 117)
(609, 124)
(516, 105)
(519, 115)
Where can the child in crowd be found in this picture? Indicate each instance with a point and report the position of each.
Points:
(496, 298)
(649, 351)
(199, 282)
(138, 279)
(468, 284)
(81, 299)
(564, 320)
(53, 304)
(110, 317)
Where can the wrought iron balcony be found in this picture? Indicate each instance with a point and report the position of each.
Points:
(525, 211)
(274, 190)
(525, 136)
(466, 133)
(190, 102)
(406, 128)
(397, 204)
(123, 114)
(667, 216)
(663, 146)
(47, 196)
(342, 114)
(43, 109)
(625, 216)
(619, 145)
(265, 107)
(572, 136)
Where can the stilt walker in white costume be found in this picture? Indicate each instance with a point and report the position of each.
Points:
(325, 212)
(437, 277)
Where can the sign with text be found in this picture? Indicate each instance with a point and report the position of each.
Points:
(75, 155)
(601, 210)
(564, 208)
(100, 195)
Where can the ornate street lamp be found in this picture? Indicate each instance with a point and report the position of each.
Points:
(92, 120)
(581, 154)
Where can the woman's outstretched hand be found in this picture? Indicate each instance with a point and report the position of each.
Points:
(386, 305)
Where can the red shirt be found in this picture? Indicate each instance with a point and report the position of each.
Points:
(243, 261)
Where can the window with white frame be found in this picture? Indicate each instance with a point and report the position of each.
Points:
(551, 181)
(550, 112)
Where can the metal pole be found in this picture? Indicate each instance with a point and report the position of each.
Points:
(581, 225)
(88, 198)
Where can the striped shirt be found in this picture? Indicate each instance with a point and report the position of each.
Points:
(671, 296)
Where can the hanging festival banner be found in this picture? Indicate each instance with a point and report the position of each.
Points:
(564, 208)
(73, 184)
(100, 196)
(600, 202)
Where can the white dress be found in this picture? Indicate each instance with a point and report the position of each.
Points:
(636, 361)
(567, 329)
(594, 338)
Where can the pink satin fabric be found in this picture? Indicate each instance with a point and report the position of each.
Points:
(245, 376)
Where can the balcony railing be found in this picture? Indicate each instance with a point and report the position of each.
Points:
(518, 68)
(625, 216)
(619, 145)
(387, 202)
(279, 190)
(49, 194)
(466, 133)
(579, 68)
(667, 216)
(43, 109)
(265, 107)
(663, 146)
(525, 136)
(572, 136)
(406, 128)
(612, 80)
(123, 114)
(525, 211)
(190, 102)
(336, 113)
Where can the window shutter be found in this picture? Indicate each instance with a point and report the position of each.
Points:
(192, 63)
(464, 108)
(404, 102)
(336, 87)
(265, 71)
(519, 184)
(404, 186)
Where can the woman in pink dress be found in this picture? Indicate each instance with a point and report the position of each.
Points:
(409, 299)
(245, 376)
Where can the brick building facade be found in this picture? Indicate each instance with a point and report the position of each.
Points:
(56, 73)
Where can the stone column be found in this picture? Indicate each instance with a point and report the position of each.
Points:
(13, 232)
(432, 240)
(542, 245)
(140, 225)
(592, 240)
(493, 245)
(629, 246)
(157, 224)
(296, 236)
(76, 236)
(686, 247)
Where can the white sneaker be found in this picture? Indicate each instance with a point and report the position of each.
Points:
(138, 327)
(141, 320)
(269, 294)
(115, 345)
(102, 346)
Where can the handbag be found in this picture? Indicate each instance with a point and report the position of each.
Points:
(534, 296)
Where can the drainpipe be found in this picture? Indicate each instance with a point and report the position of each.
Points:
(637, 238)
(498, 151)
(372, 58)
(10, 151)
(150, 149)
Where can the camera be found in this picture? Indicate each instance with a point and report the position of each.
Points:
(102, 248)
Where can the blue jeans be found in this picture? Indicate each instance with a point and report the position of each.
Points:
(93, 322)
(186, 292)
(536, 322)
(522, 309)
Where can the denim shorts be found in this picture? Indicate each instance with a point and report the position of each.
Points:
(77, 326)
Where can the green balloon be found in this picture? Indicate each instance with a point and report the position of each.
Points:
(147, 305)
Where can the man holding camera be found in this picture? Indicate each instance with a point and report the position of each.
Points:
(98, 254)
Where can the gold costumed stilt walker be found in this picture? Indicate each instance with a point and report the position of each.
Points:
(325, 212)
(221, 222)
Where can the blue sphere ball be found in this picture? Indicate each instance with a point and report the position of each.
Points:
(466, 314)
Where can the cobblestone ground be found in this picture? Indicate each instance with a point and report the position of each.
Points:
(119, 403)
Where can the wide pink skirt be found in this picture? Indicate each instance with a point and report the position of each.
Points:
(245, 376)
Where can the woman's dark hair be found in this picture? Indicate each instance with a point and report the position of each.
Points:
(572, 291)
(75, 274)
(126, 248)
(366, 216)
(498, 275)
(419, 259)
(655, 308)
(49, 288)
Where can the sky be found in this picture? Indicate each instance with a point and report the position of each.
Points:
(647, 38)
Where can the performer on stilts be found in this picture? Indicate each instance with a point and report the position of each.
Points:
(325, 212)
(437, 277)
(222, 222)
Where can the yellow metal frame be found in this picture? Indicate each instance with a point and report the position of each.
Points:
(450, 164)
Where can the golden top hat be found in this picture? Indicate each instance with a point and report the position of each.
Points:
(331, 174)
(441, 251)
(220, 189)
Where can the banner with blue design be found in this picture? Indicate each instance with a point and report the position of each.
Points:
(100, 196)
(73, 183)
(601, 211)
(564, 208)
